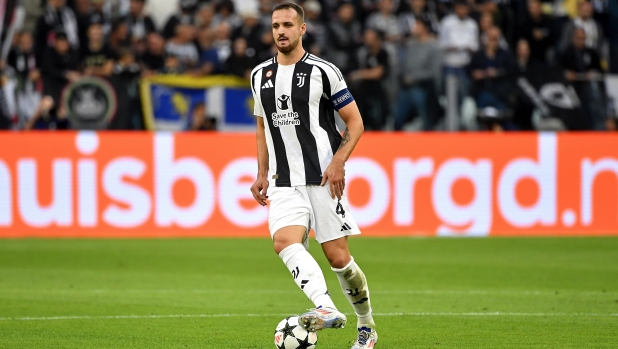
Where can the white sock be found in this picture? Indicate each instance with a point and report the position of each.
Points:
(307, 275)
(354, 286)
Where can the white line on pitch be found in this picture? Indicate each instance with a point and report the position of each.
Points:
(86, 317)
(412, 291)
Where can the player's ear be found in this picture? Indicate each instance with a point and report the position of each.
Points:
(303, 28)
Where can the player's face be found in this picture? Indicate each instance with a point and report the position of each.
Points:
(287, 30)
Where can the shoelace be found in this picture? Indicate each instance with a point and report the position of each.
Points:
(363, 336)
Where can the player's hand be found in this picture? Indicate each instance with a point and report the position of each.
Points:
(259, 189)
(335, 176)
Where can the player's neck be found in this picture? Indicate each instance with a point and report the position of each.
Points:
(292, 57)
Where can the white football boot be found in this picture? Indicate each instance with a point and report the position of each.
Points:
(367, 338)
(320, 318)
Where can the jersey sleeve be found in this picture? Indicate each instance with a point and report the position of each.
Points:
(340, 96)
(258, 109)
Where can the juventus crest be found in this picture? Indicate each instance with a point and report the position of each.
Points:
(301, 79)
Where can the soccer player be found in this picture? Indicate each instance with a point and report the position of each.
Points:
(301, 157)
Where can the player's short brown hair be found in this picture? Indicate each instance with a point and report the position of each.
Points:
(292, 6)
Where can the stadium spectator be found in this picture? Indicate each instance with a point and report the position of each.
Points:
(126, 65)
(97, 58)
(187, 9)
(200, 120)
(119, 35)
(59, 66)
(459, 37)
(421, 71)
(126, 81)
(270, 48)
(209, 59)
(309, 39)
(48, 116)
(140, 24)
(223, 42)
(480, 7)
(523, 107)
(444, 8)
(172, 65)
(205, 16)
(153, 59)
(83, 9)
(265, 12)
(367, 81)
(56, 17)
(239, 63)
(315, 28)
(251, 31)
(22, 60)
(584, 20)
(582, 67)
(183, 46)
(522, 57)
(385, 21)
(363, 8)
(344, 36)
(506, 20)
(226, 12)
(98, 14)
(418, 9)
(601, 13)
(333, 30)
(536, 28)
(486, 23)
(491, 69)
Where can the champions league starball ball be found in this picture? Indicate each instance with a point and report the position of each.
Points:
(290, 335)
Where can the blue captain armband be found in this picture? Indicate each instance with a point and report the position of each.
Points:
(341, 99)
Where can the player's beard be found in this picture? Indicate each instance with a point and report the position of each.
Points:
(287, 49)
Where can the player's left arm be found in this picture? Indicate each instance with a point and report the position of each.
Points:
(335, 172)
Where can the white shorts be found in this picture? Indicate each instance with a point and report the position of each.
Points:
(310, 206)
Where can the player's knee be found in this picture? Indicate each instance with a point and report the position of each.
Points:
(281, 244)
(339, 259)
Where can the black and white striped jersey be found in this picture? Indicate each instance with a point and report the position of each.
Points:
(297, 103)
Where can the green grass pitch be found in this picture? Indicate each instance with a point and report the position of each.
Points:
(231, 293)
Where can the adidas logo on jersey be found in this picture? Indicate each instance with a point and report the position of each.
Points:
(268, 84)
(345, 227)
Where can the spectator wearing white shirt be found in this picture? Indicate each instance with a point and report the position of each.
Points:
(183, 47)
(385, 21)
(223, 41)
(584, 20)
(459, 37)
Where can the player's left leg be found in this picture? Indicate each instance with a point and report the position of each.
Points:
(332, 224)
(354, 285)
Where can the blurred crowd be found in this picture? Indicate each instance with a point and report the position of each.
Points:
(397, 55)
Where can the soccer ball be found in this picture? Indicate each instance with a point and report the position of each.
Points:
(290, 335)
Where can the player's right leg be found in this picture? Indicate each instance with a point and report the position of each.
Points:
(309, 277)
(289, 221)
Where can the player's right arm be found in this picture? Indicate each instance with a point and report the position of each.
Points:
(260, 187)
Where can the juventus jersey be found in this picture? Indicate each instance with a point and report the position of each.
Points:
(297, 103)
